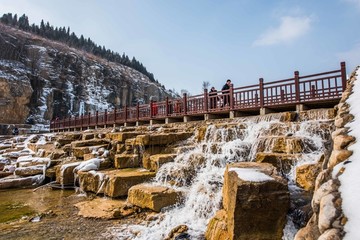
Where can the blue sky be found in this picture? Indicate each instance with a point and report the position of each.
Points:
(184, 43)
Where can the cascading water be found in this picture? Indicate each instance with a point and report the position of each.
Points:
(198, 173)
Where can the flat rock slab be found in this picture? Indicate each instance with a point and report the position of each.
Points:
(29, 171)
(68, 138)
(79, 152)
(113, 183)
(120, 181)
(159, 159)
(122, 136)
(153, 197)
(103, 208)
(127, 161)
(161, 139)
(16, 182)
(90, 142)
(282, 161)
(284, 144)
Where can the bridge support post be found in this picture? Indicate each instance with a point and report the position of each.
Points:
(264, 111)
(209, 116)
(301, 107)
(172, 120)
(235, 114)
(127, 124)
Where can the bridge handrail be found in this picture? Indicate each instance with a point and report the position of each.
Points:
(297, 89)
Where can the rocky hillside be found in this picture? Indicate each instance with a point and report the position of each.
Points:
(41, 79)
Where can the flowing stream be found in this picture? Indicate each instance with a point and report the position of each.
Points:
(199, 172)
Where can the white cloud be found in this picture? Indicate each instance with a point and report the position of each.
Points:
(290, 29)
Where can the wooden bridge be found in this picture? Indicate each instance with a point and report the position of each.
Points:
(293, 94)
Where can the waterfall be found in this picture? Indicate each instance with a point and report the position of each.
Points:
(199, 172)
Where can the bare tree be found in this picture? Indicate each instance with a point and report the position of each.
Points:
(205, 85)
(185, 91)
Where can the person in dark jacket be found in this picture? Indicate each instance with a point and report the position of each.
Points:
(213, 97)
(226, 92)
(15, 131)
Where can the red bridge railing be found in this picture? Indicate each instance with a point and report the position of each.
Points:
(309, 89)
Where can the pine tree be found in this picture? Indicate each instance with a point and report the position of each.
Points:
(62, 34)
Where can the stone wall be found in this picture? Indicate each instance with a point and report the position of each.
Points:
(328, 219)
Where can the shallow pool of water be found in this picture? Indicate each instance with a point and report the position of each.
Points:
(46, 214)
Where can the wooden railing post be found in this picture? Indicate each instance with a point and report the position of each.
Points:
(167, 107)
(69, 122)
(261, 92)
(185, 103)
(297, 86)
(343, 75)
(125, 113)
(105, 117)
(89, 115)
(81, 117)
(75, 119)
(151, 108)
(206, 100)
(138, 111)
(231, 93)
(97, 118)
(115, 115)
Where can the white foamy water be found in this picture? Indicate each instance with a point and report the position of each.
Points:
(199, 173)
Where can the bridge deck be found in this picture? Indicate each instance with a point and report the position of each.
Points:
(313, 91)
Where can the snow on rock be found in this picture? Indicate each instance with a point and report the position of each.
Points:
(251, 174)
(91, 164)
(350, 179)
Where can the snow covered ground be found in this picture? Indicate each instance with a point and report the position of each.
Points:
(350, 179)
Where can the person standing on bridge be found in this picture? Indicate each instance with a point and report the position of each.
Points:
(226, 92)
(213, 97)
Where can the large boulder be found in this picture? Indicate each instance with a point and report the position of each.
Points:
(284, 144)
(306, 175)
(153, 197)
(317, 114)
(121, 180)
(92, 181)
(282, 161)
(159, 159)
(127, 161)
(162, 138)
(65, 173)
(79, 152)
(217, 227)
(121, 136)
(256, 200)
